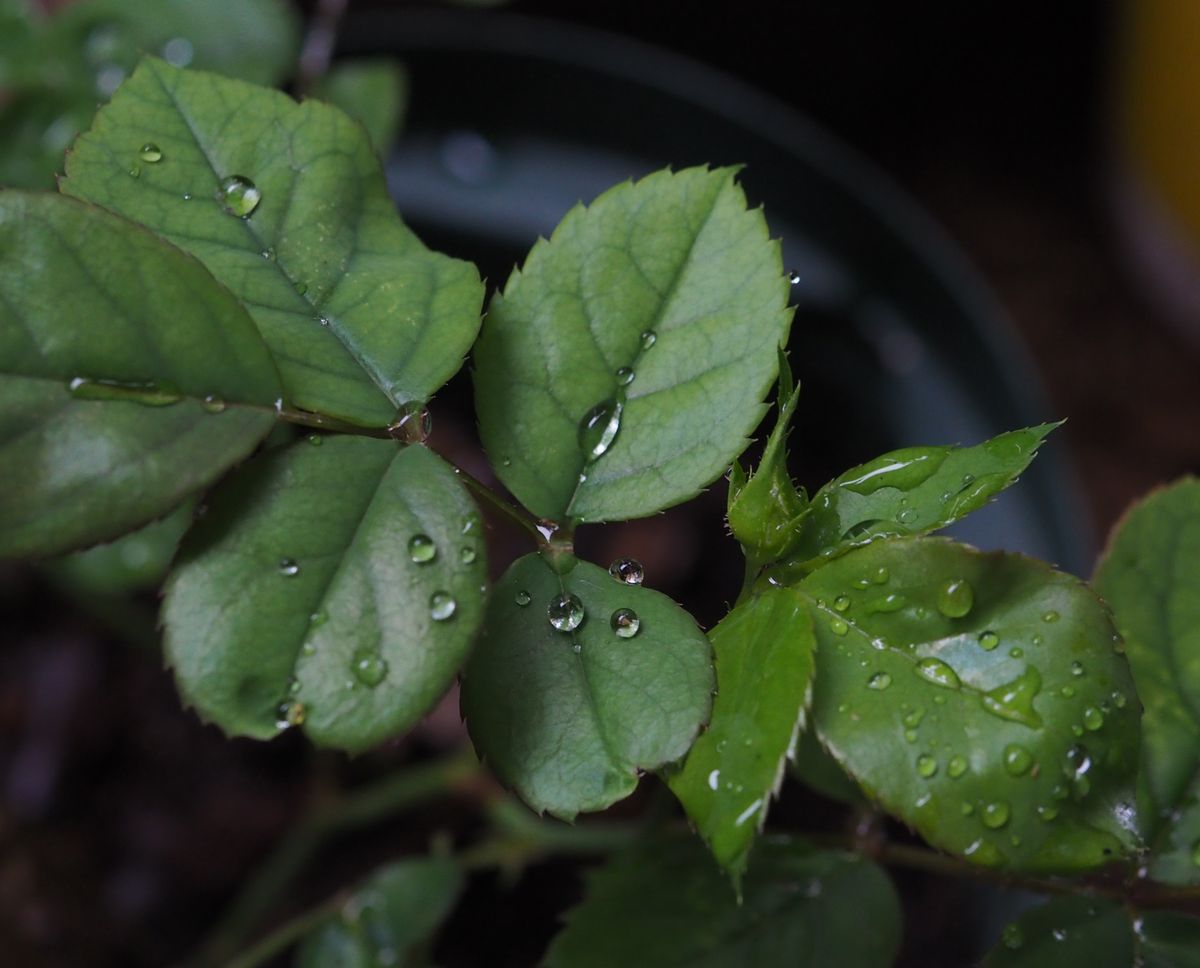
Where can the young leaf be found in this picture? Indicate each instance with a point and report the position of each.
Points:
(337, 586)
(286, 204)
(625, 363)
(111, 342)
(763, 511)
(764, 650)
(1088, 932)
(1150, 576)
(664, 904)
(568, 714)
(979, 698)
(909, 491)
(388, 918)
(371, 90)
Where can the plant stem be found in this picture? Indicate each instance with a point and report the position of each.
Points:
(513, 513)
(319, 421)
(285, 936)
(359, 808)
(317, 51)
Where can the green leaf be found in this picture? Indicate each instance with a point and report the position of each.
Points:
(907, 492)
(674, 259)
(301, 596)
(763, 511)
(764, 650)
(146, 335)
(388, 918)
(1087, 932)
(135, 562)
(1150, 576)
(569, 718)
(979, 698)
(813, 766)
(360, 316)
(371, 90)
(665, 905)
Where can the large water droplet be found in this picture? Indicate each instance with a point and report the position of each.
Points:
(988, 640)
(522, 598)
(956, 767)
(1014, 700)
(150, 153)
(628, 571)
(841, 603)
(937, 672)
(956, 598)
(1093, 719)
(442, 606)
(239, 196)
(370, 667)
(1017, 759)
(649, 338)
(288, 567)
(146, 394)
(565, 612)
(421, 548)
(412, 424)
(624, 376)
(926, 766)
(880, 681)
(838, 626)
(599, 427)
(902, 469)
(995, 814)
(625, 623)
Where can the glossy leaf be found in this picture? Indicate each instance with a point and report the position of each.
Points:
(665, 905)
(652, 318)
(764, 652)
(371, 90)
(813, 766)
(568, 719)
(337, 586)
(907, 492)
(1150, 577)
(147, 336)
(1087, 932)
(997, 719)
(764, 510)
(360, 316)
(388, 918)
(132, 563)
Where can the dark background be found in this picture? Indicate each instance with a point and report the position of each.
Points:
(125, 824)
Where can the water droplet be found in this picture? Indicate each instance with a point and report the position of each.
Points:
(301, 288)
(841, 603)
(370, 667)
(1093, 719)
(1014, 700)
(268, 254)
(956, 598)
(966, 809)
(1012, 936)
(937, 672)
(1078, 763)
(135, 170)
(1016, 652)
(150, 153)
(1050, 616)
(886, 604)
(318, 618)
(881, 576)
(441, 606)
(714, 780)
(421, 548)
(1067, 692)
(995, 814)
(288, 567)
(913, 717)
(146, 394)
(902, 469)
(599, 427)
(522, 598)
(1119, 700)
(926, 766)
(315, 439)
(649, 338)
(794, 277)
(412, 424)
(1059, 934)
(1077, 668)
(988, 640)
(239, 196)
(565, 612)
(467, 555)
(213, 404)
(629, 571)
(880, 681)
(1038, 638)
(1017, 759)
(956, 767)
(187, 196)
(907, 516)
(289, 714)
(624, 376)
(625, 623)
(1047, 812)
(838, 627)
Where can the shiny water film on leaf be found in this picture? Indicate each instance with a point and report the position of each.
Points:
(110, 341)
(299, 584)
(625, 363)
(1150, 577)
(764, 654)
(565, 708)
(999, 753)
(286, 204)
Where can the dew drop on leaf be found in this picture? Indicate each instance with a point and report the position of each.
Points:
(1050, 616)
(288, 567)
(1093, 719)
(441, 606)
(369, 667)
(625, 623)
(841, 603)
(882, 576)
(213, 404)
(522, 598)
(135, 170)
(598, 429)
(880, 681)
(239, 196)
(912, 719)
(1077, 668)
(649, 338)
(988, 640)
(565, 612)
(421, 548)
(624, 376)
(1014, 700)
(315, 439)
(886, 604)
(467, 555)
(150, 153)
(1017, 759)
(937, 672)
(1047, 812)
(995, 814)
(629, 571)
(413, 422)
(1067, 691)
(956, 767)
(956, 598)
(838, 627)
(926, 766)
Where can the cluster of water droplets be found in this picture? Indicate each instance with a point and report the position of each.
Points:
(566, 612)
